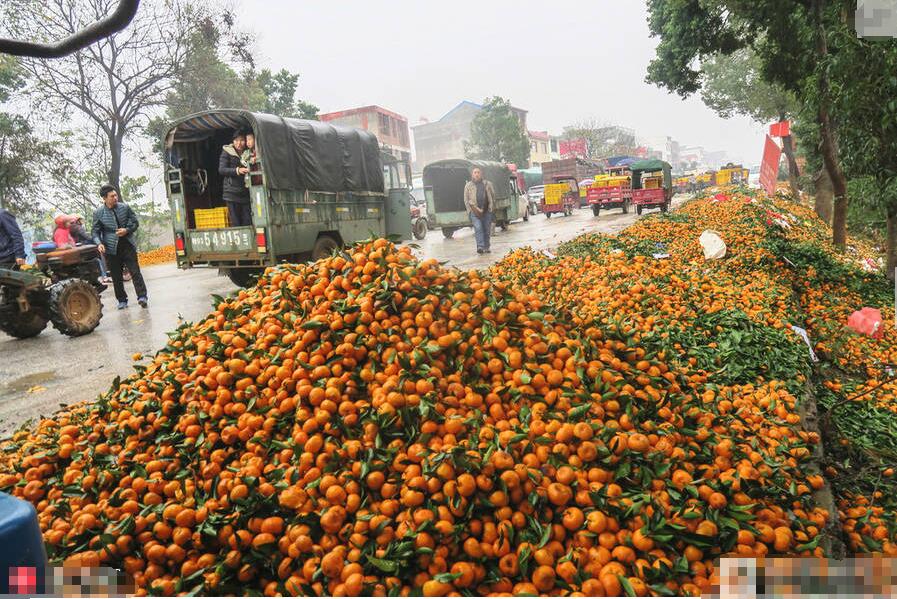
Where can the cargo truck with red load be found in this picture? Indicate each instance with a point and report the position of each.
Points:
(570, 168)
(652, 185)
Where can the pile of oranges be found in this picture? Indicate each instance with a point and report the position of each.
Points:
(159, 255)
(376, 424)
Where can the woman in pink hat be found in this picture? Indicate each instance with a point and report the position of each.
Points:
(62, 236)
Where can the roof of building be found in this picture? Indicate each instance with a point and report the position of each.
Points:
(329, 116)
(459, 106)
(539, 135)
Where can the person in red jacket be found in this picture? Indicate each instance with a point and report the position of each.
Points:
(62, 236)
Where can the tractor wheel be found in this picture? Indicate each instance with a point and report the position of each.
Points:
(639, 209)
(25, 325)
(243, 277)
(75, 307)
(324, 247)
(419, 228)
(626, 207)
(448, 232)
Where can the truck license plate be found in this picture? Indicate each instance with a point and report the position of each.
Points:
(221, 240)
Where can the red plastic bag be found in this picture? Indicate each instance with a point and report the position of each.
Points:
(867, 322)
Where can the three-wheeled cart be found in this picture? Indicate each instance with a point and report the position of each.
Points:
(611, 190)
(652, 185)
(561, 197)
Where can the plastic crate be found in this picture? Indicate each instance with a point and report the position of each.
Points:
(554, 192)
(211, 218)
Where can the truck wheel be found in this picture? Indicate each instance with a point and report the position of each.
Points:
(626, 207)
(75, 307)
(324, 247)
(526, 216)
(596, 209)
(548, 215)
(448, 232)
(639, 209)
(664, 207)
(504, 225)
(243, 277)
(419, 229)
(24, 326)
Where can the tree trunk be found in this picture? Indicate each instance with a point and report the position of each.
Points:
(116, 142)
(829, 146)
(823, 199)
(891, 245)
(793, 171)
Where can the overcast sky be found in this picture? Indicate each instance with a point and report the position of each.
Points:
(562, 60)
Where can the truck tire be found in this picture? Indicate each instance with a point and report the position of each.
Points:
(526, 216)
(448, 232)
(23, 326)
(548, 215)
(596, 209)
(324, 246)
(243, 277)
(625, 206)
(75, 307)
(665, 206)
(419, 228)
(639, 209)
(504, 225)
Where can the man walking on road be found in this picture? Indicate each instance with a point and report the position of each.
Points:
(114, 224)
(479, 198)
(12, 245)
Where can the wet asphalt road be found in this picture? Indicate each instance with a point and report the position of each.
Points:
(39, 374)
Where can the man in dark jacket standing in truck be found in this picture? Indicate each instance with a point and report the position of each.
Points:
(234, 190)
(114, 224)
(12, 245)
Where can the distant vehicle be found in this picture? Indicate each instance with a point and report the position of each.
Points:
(560, 197)
(652, 185)
(535, 195)
(444, 182)
(576, 168)
(314, 188)
(731, 174)
(611, 190)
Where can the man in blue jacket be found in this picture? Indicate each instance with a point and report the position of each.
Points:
(114, 224)
(12, 246)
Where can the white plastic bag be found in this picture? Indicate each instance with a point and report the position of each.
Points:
(713, 244)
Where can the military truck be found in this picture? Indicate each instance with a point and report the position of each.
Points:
(313, 188)
(444, 182)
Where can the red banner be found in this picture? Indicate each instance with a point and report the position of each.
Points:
(780, 129)
(769, 168)
(571, 148)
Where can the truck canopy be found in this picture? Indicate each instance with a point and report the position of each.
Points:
(532, 176)
(295, 154)
(448, 177)
(651, 166)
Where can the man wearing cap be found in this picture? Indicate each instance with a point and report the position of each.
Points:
(233, 172)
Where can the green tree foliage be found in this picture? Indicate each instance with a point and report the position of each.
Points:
(733, 84)
(22, 154)
(790, 39)
(219, 71)
(864, 91)
(497, 134)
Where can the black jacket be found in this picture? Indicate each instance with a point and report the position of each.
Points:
(233, 186)
(12, 245)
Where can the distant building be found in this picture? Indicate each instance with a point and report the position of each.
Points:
(539, 147)
(391, 129)
(444, 138)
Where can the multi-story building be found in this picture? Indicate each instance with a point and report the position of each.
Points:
(390, 128)
(539, 147)
(443, 139)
